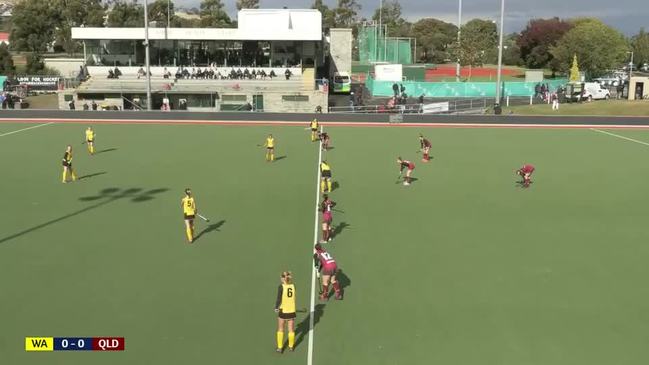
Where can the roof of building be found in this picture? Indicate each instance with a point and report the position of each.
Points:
(253, 24)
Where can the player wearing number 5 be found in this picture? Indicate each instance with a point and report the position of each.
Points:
(270, 148)
(67, 165)
(285, 309)
(90, 140)
(189, 212)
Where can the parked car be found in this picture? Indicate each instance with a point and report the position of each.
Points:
(595, 91)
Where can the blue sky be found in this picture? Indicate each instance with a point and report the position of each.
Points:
(626, 15)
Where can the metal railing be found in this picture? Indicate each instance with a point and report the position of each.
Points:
(454, 106)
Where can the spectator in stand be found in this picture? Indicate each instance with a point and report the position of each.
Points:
(239, 74)
(272, 74)
(140, 73)
(193, 75)
(537, 90)
(395, 89)
(86, 106)
(179, 73)
(253, 74)
(288, 74)
(263, 75)
(118, 73)
(165, 73)
(93, 105)
(111, 74)
(246, 73)
(71, 105)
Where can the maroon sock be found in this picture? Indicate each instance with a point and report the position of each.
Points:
(325, 233)
(426, 156)
(325, 291)
(337, 288)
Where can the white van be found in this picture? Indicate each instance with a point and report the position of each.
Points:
(595, 91)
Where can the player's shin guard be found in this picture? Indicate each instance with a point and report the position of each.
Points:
(190, 234)
(280, 339)
(74, 176)
(337, 290)
(291, 340)
(272, 157)
(322, 186)
(329, 185)
(63, 177)
(325, 292)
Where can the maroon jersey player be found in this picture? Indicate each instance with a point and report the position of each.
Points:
(409, 166)
(526, 173)
(425, 148)
(326, 266)
(326, 208)
(325, 139)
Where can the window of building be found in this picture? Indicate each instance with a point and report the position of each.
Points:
(300, 98)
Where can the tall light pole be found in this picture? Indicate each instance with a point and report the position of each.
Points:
(380, 27)
(459, 32)
(500, 51)
(146, 55)
(630, 66)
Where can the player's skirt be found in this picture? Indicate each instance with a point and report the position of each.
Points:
(90, 141)
(270, 149)
(326, 174)
(330, 270)
(189, 216)
(283, 315)
(66, 164)
(327, 217)
(314, 129)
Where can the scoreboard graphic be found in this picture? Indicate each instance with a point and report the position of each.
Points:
(74, 344)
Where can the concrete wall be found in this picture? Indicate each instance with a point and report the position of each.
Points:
(633, 84)
(340, 50)
(67, 67)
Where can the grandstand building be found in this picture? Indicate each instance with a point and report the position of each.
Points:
(272, 62)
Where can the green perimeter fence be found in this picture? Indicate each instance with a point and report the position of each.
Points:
(458, 89)
(374, 46)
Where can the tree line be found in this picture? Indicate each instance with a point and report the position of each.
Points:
(37, 25)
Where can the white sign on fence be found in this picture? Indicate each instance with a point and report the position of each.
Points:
(435, 108)
(388, 73)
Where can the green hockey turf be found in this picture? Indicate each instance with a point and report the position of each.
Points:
(462, 267)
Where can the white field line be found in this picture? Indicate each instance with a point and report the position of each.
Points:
(309, 360)
(25, 129)
(619, 136)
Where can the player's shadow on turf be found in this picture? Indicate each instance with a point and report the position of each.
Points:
(92, 175)
(330, 148)
(106, 150)
(521, 184)
(339, 228)
(343, 279)
(334, 185)
(278, 158)
(105, 196)
(211, 228)
(302, 329)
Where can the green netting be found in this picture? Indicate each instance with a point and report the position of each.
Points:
(458, 89)
(373, 47)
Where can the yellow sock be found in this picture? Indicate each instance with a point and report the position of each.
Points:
(63, 177)
(74, 176)
(291, 339)
(92, 149)
(329, 185)
(272, 157)
(190, 235)
(280, 339)
(322, 186)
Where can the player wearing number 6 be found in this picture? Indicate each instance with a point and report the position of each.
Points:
(270, 148)
(189, 212)
(326, 266)
(285, 309)
(90, 140)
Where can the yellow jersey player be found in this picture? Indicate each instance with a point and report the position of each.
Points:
(270, 148)
(90, 140)
(189, 212)
(285, 309)
(325, 177)
(67, 165)
(314, 129)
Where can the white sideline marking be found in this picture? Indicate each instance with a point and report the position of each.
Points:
(309, 360)
(619, 136)
(25, 129)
